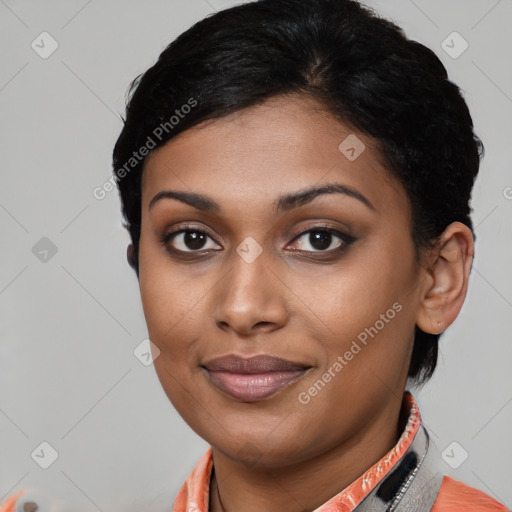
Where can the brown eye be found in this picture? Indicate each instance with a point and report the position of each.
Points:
(322, 240)
(189, 240)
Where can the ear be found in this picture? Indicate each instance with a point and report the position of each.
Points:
(446, 284)
(130, 255)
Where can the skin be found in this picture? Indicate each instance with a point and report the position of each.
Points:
(306, 307)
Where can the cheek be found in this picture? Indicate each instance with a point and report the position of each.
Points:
(171, 319)
(167, 302)
(363, 313)
(344, 300)
(172, 323)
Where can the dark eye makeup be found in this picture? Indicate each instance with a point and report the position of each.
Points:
(193, 241)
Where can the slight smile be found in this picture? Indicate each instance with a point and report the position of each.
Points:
(253, 379)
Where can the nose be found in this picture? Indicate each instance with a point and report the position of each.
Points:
(251, 298)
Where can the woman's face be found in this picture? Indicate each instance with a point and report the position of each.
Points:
(328, 282)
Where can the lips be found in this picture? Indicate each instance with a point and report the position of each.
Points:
(255, 378)
(255, 364)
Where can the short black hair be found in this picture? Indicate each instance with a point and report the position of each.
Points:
(357, 64)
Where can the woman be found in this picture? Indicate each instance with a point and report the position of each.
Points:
(295, 178)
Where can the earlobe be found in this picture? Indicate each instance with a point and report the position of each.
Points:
(449, 271)
(130, 255)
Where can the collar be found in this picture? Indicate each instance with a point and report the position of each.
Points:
(404, 479)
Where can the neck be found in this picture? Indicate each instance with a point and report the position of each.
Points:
(307, 484)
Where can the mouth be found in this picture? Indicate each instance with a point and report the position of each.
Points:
(253, 379)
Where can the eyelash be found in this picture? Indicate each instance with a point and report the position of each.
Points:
(346, 240)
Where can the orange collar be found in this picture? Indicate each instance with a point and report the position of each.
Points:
(194, 495)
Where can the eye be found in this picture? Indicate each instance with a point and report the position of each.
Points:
(317, 240)
(188, 240)
(323, 239)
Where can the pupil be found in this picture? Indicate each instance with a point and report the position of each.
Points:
(194, 240)
(320, 239)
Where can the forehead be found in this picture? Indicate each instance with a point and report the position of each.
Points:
(284, 144)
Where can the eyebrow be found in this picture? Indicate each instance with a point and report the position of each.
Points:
(283, 203)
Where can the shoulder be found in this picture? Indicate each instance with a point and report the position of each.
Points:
(454, 496)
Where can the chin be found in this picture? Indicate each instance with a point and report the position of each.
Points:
(253, 450)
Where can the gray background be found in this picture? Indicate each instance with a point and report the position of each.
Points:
(70, 324)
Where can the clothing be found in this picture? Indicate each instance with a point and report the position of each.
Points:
(408, 478)
(399, 481)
